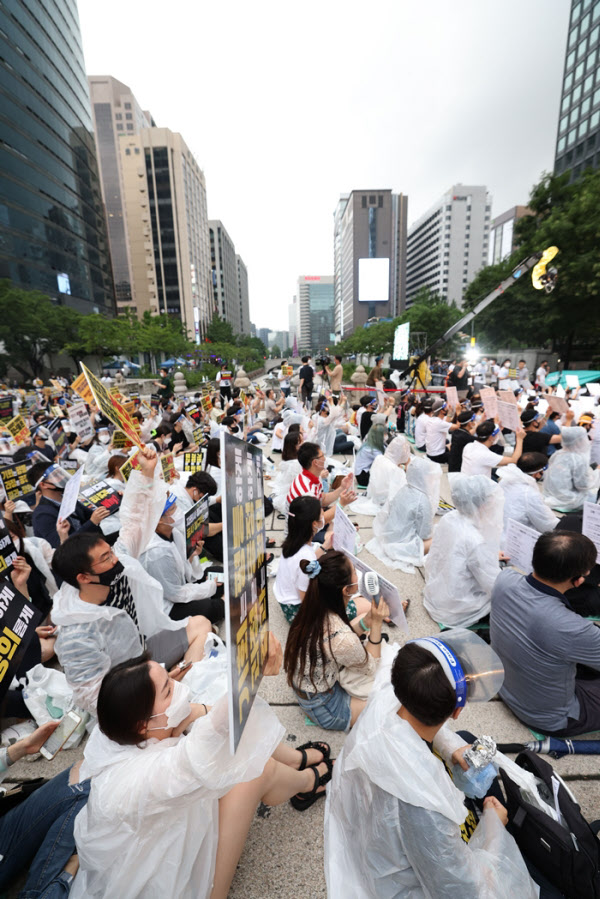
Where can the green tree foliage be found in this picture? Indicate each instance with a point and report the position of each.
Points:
(275, 351)
(220, 331)
(29, 328)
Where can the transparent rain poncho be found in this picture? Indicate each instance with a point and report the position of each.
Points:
(569, 481)
(406, 520)
(462, 564)
(386, 478)
(523, 501)
(393, 817)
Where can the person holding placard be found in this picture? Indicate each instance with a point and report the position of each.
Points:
(461, 437)
(480, 459)
(570, 481)
(536, 440)
(522, 497)
(284, 379)
(50, 481)
(437, 429)
(224, 384)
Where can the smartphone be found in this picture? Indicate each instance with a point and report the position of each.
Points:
(218, 576)
(183, 664)
(59, 737)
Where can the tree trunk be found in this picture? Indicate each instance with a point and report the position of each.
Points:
(568, 350)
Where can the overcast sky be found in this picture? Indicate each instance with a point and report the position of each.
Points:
(287, 106)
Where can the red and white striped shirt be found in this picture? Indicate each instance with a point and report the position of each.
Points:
(305, 483)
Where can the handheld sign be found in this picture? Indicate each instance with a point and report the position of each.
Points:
(111, 408)
(287, 371)
(69, 498)
(155, 402)
(81, 422)
(344, 532)
(18, 621)
(509, 416)
(591, 523)
(100, 496)
(572, 381)
(387, 591)
(452, 396)
(518, 545)
(490, 402)
(82, 389)
(194, 413)
(195, 525)
(507, 396)
(246, 603)
(6, 407)
(59, 438)
(8, 551)
(225, 375)
(556, 403)
(197, 436)
(120, 440)
(14, 481)
(18, 429)
(131, 464)
(168, 468)
(206, 403)
(193, 461)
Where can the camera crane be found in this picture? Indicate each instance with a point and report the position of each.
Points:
(543, 277)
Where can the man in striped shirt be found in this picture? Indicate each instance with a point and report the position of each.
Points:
(312, 459)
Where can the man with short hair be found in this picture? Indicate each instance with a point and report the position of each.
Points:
(461, 436)
(523, 501)
(540, 375)
(312, 459)
(335, 376)
(306, 376)
(437, 429)
(536, 440)
(164, 391)
(522, 372)
(479, 458)
(273, 407)
(50, 480)
(459, 378)
(541, 640)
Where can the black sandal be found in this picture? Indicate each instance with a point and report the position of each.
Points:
(323, 748)
(271, 543)
(302, 801)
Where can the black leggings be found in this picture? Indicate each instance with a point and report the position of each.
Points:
(212, 608)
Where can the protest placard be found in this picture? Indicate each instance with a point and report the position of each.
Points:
(82, 389)
(18, 621)
(388, 592)
(246, 604)
(344, 532)
(490, 402)
(81, 422)
(167, 463)
(100, 496)
(111, 408)
(131, 464)
(18, 429)
(509, 416)
(6, 407)
(593, 388)
(197, 436)
(120, 440)
(591, 523)
(194, 413)
(507, 396)
(225, 375)
(195, 525)
(14, 480)
(59, 438)
(287, 371)
(206, 403)
(8, 550)
(69, 465)
(452, 396)
(518, 545)
(556, 403)
(70, 494)
(572, 381)
(155, 402)
(193, 461)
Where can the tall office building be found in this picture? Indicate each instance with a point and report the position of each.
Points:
(578, 138)
(448, 245)
(316, 313)
(116, 114)
(243, 295)
(293, 320)
(226, 302)
(52, 222)
(164, 196)
(263, 334)
(502, 241)
(369, 248)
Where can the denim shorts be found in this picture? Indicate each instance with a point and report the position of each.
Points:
(329, 710)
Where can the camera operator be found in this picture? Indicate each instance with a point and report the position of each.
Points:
(335, 376)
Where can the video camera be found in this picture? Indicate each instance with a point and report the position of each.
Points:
(323, 361)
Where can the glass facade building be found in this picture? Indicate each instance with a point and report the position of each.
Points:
(578, 138)
(316, 313)
(53, 235)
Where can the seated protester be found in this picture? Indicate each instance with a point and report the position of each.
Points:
(115, 479)
(39, 443)
(279, 433)
(461, 436)
(36, 836)
(373, 446)
(179, 442)
(584, 599)
(395, 823)
(212, 462)
(312, 460)
(323, 646)
(327, 420)
(76, 454)
(108, 607)
(288, 469)
(164, 558)
(362, 405)
(403, 529)
(50, 481)
(386, 477)
(98, 454)
(463, 562)
(423, 412)
(305, 520)
(542, 642)
(523, 500)
(188, 493)
(537, 440)
(570, 481)
(480, 459)
(154, 783)
(551, 427)
(437, 429)
(273, 407)
(370, 408)
(162, 438)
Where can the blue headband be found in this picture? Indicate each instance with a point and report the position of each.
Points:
(450, 665)
(171, 500)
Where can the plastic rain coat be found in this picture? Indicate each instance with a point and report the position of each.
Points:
(393, 817)
(286, 474)
(523, 501)
(92, 639)
(462, 564)
(150, 827)
(165, 561)
(407, 520)
(386, 478)
(569, 481)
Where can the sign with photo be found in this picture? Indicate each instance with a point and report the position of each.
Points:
(59, 438)
(6, 407)
(196, 525)
(81, 422)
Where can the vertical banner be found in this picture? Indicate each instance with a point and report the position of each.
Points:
(8, 552)
(18, 621)
(246, 602)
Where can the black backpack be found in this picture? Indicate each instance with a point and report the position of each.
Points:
(568, 858)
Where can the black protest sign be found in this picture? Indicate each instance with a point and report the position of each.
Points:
(246, 616)
(100, 496)
(195, 525)
(6, 407)
(59, 438)
(14, 480)
(8, 552)
(18, 621)
(193, 461)
(194, 413)
(198, 436)
(155, 402)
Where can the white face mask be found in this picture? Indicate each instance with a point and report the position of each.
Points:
(178, 709)
(104, 438)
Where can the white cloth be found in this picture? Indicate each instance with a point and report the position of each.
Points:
(385, 480)
(165, 561)
(436, 431)
(420, 428)
(462, 564)
(569, 481)
(285, 477)
(393, 817)
(216, 474)
(478, 459)
(290, 577)
(523, 501)
(41, 554)
(326, 428)
(150, 826)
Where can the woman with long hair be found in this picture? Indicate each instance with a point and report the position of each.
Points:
(288, 469)
(322, 643)
(304, 521)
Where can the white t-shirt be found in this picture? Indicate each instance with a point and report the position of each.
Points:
(420, 426)
(479, 459)
(540, 376)
(503, 374)
(290, 577)
(436, 430)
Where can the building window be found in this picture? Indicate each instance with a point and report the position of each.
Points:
(571, 137)
(594, 119)
(568, 81)
(127, 152)
(364, 202)
(129, 126)
(585, 106)
(561, 144)
(582, 48)
(128, 116)
(119, 126)
(576, 12)
(372, 199)
(576, 94)
(570, 59)
(137, 151)
(596, 98)
(574, 115)
(579, 70)
(588, 83)
(127, 105)
(380, 202)
(573, 37)
(118, 116)
(582, 130)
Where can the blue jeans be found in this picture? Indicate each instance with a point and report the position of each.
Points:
(38, 834)
(330, 711)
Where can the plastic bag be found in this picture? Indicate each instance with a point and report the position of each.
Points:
(207, 679)
(48, 697)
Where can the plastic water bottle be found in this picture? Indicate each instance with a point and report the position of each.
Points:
(475, 782)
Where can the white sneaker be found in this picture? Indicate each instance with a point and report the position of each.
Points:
(16, 732)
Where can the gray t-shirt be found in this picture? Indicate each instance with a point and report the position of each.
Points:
(540, 642)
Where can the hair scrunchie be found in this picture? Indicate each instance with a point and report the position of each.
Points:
(313, 568)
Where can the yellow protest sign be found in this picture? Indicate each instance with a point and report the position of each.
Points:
(111, 408)
(18, 429)
(82, 389)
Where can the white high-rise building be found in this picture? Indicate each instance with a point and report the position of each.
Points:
(293, 327)
(448, 244)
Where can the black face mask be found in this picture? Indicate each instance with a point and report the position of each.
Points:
(110, 577)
